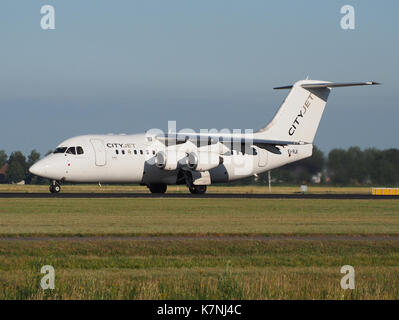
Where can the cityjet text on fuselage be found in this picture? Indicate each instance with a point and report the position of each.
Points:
(121, 145)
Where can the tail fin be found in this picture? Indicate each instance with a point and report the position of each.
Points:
(299, 115)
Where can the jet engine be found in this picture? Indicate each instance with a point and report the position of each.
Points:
(170, 160)
(203, 161)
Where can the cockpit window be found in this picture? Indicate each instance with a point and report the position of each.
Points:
(60, 150)
(71, 150)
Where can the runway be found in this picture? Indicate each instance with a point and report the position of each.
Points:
(61, 195)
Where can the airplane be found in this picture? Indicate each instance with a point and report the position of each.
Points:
(156, 159)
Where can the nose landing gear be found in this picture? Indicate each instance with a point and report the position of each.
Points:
(55, 187)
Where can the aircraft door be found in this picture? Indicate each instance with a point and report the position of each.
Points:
(99, 152)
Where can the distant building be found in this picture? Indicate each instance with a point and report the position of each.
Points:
(3, 171)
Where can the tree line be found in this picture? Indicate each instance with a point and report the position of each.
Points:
(16, 167)
(352, 166)
(339, 167)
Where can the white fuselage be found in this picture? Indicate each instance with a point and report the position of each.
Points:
(131, 159)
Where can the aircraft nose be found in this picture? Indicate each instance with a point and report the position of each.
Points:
(49, 167)
(37, 169)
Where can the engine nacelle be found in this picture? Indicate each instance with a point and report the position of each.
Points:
(170, 160)
(203, 160)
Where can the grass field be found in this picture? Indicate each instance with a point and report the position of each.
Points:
(186, 253)
(199, 269)
(57, 217)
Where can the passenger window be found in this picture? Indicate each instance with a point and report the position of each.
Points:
(71, 150)
(141, 151)
(116, 151)
(123, 151)
(79, 150)
(135, 151)
(153, 152)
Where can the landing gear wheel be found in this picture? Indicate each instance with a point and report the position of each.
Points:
(55, 188)
(157, 188)
(197, 189)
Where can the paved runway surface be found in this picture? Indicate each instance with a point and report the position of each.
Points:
(190, 196)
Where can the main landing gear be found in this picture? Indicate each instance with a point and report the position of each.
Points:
(55, 187)
(157, 188)
(197, 189)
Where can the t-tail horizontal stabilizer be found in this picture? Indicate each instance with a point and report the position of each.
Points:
(330, 85)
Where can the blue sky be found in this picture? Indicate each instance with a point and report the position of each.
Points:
(128, 66)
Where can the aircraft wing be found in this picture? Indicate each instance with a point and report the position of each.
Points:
(227, 139)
